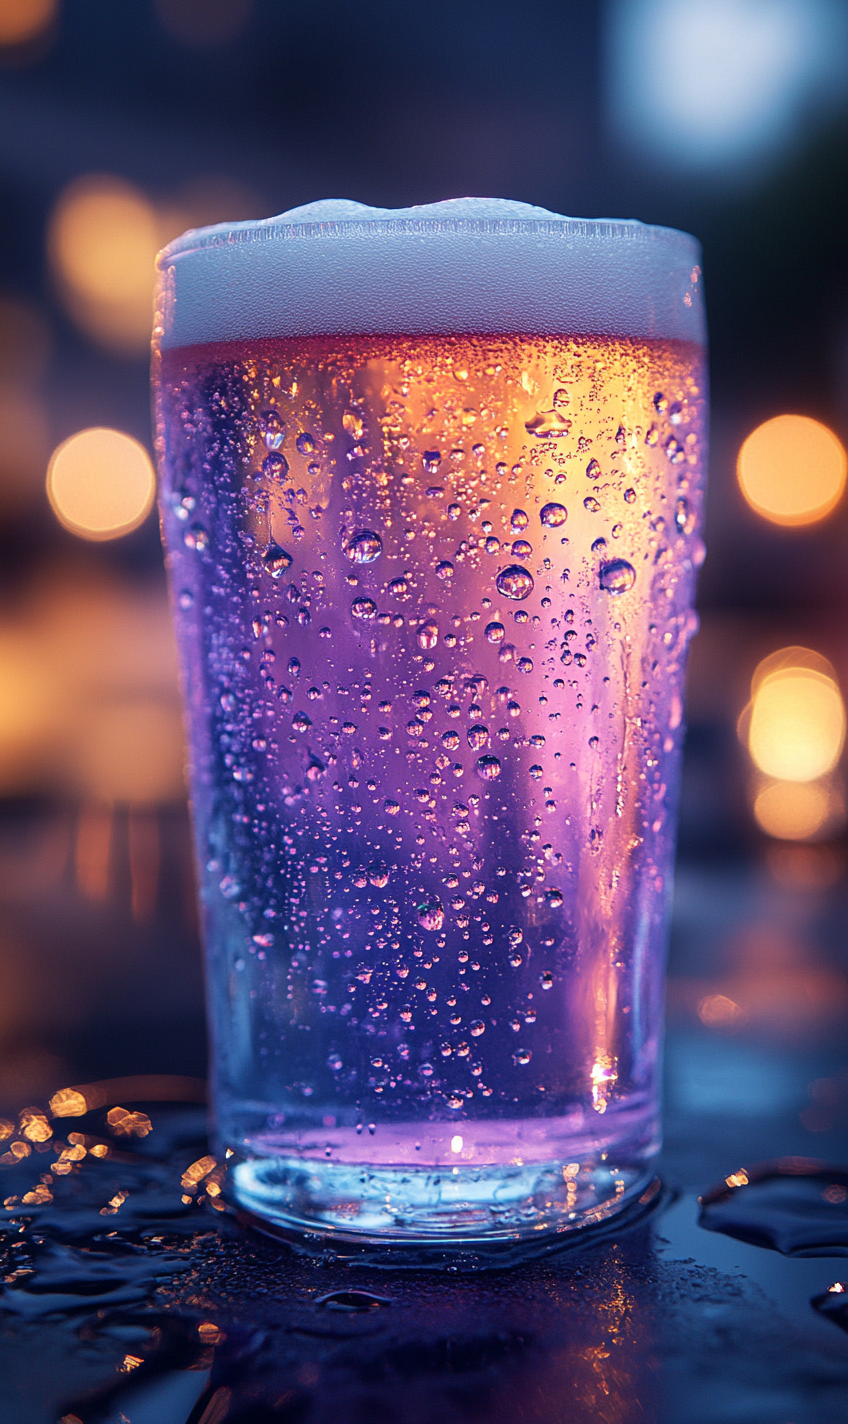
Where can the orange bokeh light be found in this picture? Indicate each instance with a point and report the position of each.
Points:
(100, 483)
(792, 470)
(22, 20)
(799, 810)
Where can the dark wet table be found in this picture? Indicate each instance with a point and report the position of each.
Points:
(131, 1297)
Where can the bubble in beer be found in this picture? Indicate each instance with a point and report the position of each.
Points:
(514, 582)
(519, 520)
(378, 874)
(444, 570)
(275, 466)
(495, 632)
(273, 429)
(364, 608)
(477, 737)
(617, 576)
(553, 516)
(363, 547)
(488, 768)
(276, 560)
(428, 635)
(431, 914)
(305, 443)
(521, 549)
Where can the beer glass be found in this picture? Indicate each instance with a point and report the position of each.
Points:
(431, 487)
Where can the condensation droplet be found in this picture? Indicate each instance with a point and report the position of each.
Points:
(488, 768)
(305, 443)
(495, 632)
(427, 636)
(522, 1056)
(197, 538)
(514, 582)
(521, 549)
(536, 771)
(363, 547)
(524, 665)
(546, 979)
(378, 874)
(273, 429)
(593, 470)
(476, 1028)
(364, 608)
(444, 570)
(276, 560)
(275, 466)
(431, 914)
(553, 516)
(617, 576)
(591, 504)
(553, 898)
(519, 520)
(630, 496)
(450, 740)
(300, 722)
(477, 737)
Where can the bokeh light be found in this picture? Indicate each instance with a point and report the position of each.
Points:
(796, 726)
(103, 238)
(132, 751)
(799, 810)
(24, 445)
(720, 84)
(100, 483)
(792, 470)
(203, 22)
(23, 20)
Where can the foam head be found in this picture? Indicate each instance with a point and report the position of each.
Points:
(470, 265)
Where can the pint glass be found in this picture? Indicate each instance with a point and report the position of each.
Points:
(431, 487)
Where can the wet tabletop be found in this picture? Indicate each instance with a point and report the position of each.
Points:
(131, 1293)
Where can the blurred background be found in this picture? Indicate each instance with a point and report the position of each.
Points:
(123, 124)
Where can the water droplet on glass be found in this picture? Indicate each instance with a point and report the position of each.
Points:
(660, 403)
(476, 1027)
(334, 1063)
(428, 635)
(495, 632)
(391, 807)
(431, 914)
(488, 768)
(378, 874)
(305, 443)
(363, 547)
(521, 549)
(363, 608)
(185, 598)
(300, 722)
(553, 516)
(477, 737)
(444, 570)
(519, 520)
(275, 466)
(398, 587)
(547, 424)
(514, 582)
(492, 545)
(522, 1056)
(524, 665)
(546, 979)
(617, 576)
(315, 769)
(598, 547)
(591, 504)
(273, 429)
(536, 771)
(553, 899)
(593, 470)
(276, 560)
(630, 496)
(294, 667)
(450, 740)
(431, 460)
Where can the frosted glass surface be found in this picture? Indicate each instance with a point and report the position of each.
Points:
(484, 265)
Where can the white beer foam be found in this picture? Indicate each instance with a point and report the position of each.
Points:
(470, 265)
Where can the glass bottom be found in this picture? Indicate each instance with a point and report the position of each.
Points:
(438, 1206)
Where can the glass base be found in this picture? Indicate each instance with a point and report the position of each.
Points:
(435, 1206)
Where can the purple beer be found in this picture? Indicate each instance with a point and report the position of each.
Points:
(431, 488)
